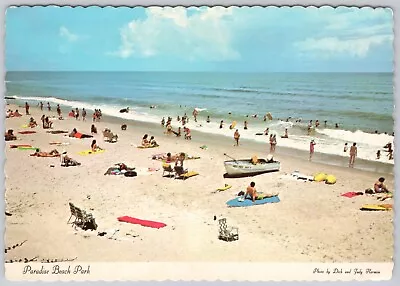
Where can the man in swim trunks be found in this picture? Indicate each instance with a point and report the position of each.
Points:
(379, 186)
(251, 191)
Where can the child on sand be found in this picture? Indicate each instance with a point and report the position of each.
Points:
(145, 141)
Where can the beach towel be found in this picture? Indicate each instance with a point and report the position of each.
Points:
(90, 152)
(25, 126)
(147, 223)
(26, 132)
(59, 143)
(27, 148)
(189, 174)
(239, 202)
(352, 194)
(146, 147)
(57, 132)
(384, 207)
(19, 145)
(226, 187)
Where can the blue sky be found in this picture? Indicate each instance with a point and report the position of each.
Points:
(250, 39)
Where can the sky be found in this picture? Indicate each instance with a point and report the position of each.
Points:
(246, 39)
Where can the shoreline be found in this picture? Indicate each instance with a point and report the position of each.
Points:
(311, 223)
(247, 144)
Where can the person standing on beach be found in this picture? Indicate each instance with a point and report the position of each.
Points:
(221, 124)
(236, 136)
(195, 113)
(26, 108)
(48, 106)
(312, 144)
(245, 125)
(77, 113)
(83, 114)
(353, 155)
(41, 105)
(58, 110)
(272, 142)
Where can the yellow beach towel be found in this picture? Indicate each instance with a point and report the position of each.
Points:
(385, 207)
(189, 174)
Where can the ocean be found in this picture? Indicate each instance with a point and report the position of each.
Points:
(359, 103)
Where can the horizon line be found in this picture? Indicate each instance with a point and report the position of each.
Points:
(183, 71)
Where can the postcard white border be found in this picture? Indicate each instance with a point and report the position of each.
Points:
(218, 271)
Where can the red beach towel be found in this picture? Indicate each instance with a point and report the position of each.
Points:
(147, 223)
(26, 132)
(351, 194)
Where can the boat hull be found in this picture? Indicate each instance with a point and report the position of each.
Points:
(246, 168)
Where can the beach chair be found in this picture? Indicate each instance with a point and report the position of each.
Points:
(167, 168)
(84, 220)
(225, 233)
(73, 213)
(108, 136)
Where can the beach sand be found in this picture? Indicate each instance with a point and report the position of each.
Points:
(311, 223)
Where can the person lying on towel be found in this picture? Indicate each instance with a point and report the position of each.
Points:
(68, 161)
(76, 134)
(52, 153)
(252, 193)
(380, 187)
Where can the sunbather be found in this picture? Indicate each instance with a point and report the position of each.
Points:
(32, 123)
(179, 160)
(93, 129)
(252, 193)
(9, 135)
(17, 114)
(379, 186)
(94, 146)
(153, 141)
(145, 141)
(76, 134)
(68, 161)
(52, 153)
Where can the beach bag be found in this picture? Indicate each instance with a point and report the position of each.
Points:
(320, 177)
(330, 179)
(130, 174)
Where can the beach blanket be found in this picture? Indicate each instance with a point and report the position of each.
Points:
(26, 132)
(384, 207)
(90, 152)
(226, 187)
(46, 156)
(57, 132)
(352, 194)
(240, 202)
(189, 174)
(25, 126)
(19, 145)
(147, 223)
(117, 171)
(59, 143)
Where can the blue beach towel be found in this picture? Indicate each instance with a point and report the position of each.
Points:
(248, 202)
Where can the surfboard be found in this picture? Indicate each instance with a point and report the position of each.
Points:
(248, 202)
(90, 152)
(224, 188)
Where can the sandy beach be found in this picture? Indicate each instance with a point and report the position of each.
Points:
(311, 223)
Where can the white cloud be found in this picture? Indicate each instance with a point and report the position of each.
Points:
(65, 33)
(204, 34)
(358, 47)
(352, 31)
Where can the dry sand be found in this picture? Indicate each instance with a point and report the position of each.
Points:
(312, 223)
